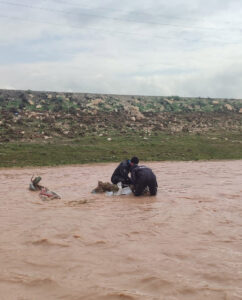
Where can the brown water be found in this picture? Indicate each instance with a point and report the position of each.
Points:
(185, 243)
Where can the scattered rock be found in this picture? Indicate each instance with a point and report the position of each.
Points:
(93, 114)
(133, 111)
(170, 101)
(229, 107)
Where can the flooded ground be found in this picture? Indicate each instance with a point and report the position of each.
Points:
(185, 243)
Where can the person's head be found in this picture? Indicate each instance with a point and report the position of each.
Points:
(134, 161)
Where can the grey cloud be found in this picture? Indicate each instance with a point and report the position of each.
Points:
(112, 55)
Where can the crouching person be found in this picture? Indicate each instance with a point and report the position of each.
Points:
(120, 174)
(143, 177)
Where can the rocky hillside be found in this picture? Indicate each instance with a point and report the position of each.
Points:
(29, 115)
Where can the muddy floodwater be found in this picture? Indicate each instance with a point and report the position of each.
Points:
(184, 243)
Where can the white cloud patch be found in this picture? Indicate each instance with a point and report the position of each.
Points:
(186, 48)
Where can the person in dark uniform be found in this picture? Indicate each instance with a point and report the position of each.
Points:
(143, 177)
(120, 174)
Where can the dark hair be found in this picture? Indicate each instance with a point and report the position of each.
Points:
(135, 160)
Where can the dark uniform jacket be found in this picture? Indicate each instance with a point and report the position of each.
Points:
(143, 177)
(120, 174)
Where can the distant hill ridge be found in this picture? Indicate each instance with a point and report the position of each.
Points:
(31, 115)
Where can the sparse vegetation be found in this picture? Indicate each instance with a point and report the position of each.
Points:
(46, 128)
(99, 149)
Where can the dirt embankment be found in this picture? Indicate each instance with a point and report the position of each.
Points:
(28, 115)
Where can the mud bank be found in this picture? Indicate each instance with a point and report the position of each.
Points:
(185, 243)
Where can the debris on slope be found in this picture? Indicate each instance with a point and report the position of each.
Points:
(29, 115)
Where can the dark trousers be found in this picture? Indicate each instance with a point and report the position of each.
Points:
(141, 185)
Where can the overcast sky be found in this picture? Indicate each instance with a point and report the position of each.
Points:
(160, 47)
